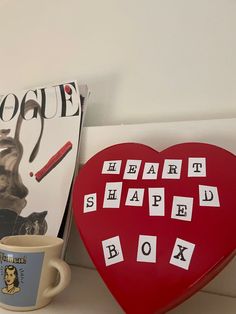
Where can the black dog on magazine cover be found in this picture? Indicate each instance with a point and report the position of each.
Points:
(12, 190)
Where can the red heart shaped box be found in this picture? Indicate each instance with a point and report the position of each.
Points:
(142, 287)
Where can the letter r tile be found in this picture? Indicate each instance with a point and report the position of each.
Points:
(172, 169)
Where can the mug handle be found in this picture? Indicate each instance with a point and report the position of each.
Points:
(65, 276)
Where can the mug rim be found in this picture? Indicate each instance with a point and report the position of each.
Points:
(24, 241)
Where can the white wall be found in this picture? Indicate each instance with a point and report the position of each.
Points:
(144, 60)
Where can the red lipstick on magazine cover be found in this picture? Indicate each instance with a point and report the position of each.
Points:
(53, 161)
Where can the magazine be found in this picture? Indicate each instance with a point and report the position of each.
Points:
(39, 138)
(68, 215)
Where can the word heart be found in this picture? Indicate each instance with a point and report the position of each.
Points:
(158, 226)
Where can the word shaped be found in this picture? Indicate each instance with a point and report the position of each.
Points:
(147, 251)
(182, 206)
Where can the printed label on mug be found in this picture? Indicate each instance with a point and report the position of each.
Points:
(19, 277)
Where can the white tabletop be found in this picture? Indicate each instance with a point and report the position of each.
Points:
(87, 294)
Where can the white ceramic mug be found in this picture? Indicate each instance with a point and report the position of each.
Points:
(29, 267)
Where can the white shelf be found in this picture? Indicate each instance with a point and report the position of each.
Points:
(87, 294)
(159, 136)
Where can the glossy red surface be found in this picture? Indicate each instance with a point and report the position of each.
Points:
(156, 287)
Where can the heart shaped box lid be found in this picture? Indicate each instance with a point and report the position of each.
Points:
(157, 225)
